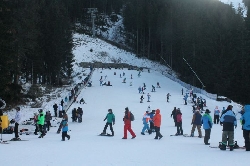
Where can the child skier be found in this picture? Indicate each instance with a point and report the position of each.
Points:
(145, 121)
(110, 117)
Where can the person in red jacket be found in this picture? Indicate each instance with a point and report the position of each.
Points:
(157, 124)
(127, 124)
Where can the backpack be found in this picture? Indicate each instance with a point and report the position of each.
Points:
(132, 117)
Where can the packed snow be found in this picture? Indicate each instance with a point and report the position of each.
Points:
(86, 148)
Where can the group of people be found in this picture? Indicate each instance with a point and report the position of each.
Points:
(77, 115)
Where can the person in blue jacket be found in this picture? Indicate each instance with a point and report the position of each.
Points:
(228, 120)
(245, 121)
(65, 128)
(207, 125)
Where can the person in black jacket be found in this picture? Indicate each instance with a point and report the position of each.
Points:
(55, 109)
(174, 115)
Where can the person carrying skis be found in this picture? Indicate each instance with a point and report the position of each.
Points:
(245, 121)
(110, 117)
(179, 122)
(145, 120)
(207, 126)
(157, 124)
(127, 124)
(216, 115)
(40, 122)
(65, 128)
(228, 121)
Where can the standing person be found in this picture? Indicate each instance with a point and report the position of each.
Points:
(145, 120)
(55, 107)
(153, 88)
(141, 99)
(151, 115)
(110, 117)
(179, 122)
(40, 122)
(60, 110)
(65, 128)
(35, 122)
(17, 121)
(245, 120)
(62, 102)
(216, 115)
(168, 97)
(74, 116)
(127, 124)
(148, 95)
(196, 122)
(174, 115)
(228, 121)
(157, 124)
(48, 118)
(207, 126)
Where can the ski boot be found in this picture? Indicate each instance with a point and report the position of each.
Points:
(231, 147)
(222, 146)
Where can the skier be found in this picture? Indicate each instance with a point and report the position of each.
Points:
(148, 95)
(158, 85)
(79, 114)
(151, 115)
(207, 125)
(196, 122)
(141, 99)
(65, 128)
(110, 117)
(245, 119)
(157, 124)
(139, 89)
(179, 122)
(40, 123)
(17, 121)
(74, 115)
(145, 120)
(229, 121)
(216, 115)
(131, 76)
(35, 123)
(185, 99)
(127, 124)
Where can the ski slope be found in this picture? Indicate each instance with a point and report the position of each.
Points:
(86, 148)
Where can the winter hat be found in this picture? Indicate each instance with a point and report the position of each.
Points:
(126, 108)
(40, 110)
(207, 111)
(109, 110)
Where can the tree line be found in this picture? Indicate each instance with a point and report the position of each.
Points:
(36, 40)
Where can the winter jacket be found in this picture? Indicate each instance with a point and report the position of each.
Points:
(145, 118)
(179, 117)
(126, 118)
(228, 120)
(110, 118)
(216, 112)
(18, 117)
(157, 118)
(48, 117)
(40, 119)
(174, 113)
(245, 118)
(55, 107)
(197, 118)
(65, 125)
(207, 121)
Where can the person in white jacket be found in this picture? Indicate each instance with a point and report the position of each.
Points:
(17, 122)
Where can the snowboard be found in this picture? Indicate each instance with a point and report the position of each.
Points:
(240, 147)
(109, 135)
(14, 139)
(187, 135)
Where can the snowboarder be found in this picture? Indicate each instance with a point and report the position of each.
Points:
(157, 124)
(149, 96)
(82, 101)
(196, 122)
(127, 124)
(229, 121)
(110, 117)
(179, 122)
(141, 99)
(216, 115)
(207, 125)
(153, 88)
